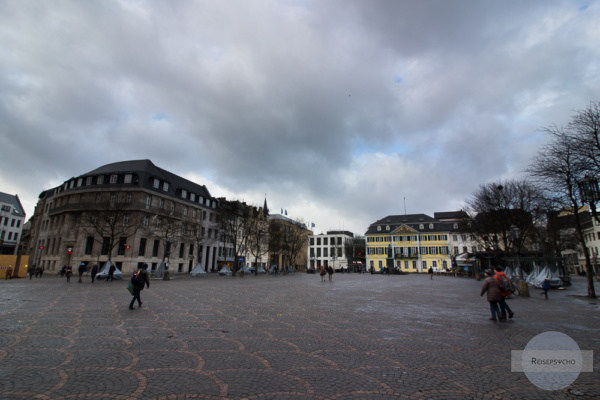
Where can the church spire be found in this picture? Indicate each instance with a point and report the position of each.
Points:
(265, 208)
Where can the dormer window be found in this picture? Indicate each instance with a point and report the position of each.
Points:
(113, 178)
(166, 186)
(455, 226)
(156, 183)
(421, 226)
(183, 194)
(430, 226)
(387, 228)
(379, 228)
(128, 178)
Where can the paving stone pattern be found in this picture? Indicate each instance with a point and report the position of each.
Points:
(280, 337)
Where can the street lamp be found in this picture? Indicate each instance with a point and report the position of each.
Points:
(590, 193)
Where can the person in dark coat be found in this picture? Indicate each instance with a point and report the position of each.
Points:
(138, 284)
(68, 272)
(94, 272)
(111, 273)
(82, 268)
(330, 272)
(494, 295)
(545, 287)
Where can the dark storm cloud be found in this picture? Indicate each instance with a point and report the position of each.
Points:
(337, 110)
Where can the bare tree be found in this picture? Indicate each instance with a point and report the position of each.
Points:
(233, 224)
(297, 241)
(498, 210)
(558, 169)
(110, 218)
(258, 235)
(584, 132)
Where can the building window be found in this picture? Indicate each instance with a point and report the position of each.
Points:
(129, 197)
(325, 240)
(128, 178)
(89, 244)
(166, 186)
(378, 228)
(181, 250)
(113, 178)
(193, 196)
(183, 194)
(387, 228)
(156, 183)
(155, 248)
(142, 250)
(121, 249)
(88, 181)
(104, 250)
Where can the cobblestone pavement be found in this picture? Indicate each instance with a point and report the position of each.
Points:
(280, 337)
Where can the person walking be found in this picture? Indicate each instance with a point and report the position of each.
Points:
(491, 287)
(68, 272)
(330, 272)
(546, 287)
(81, 271)
(504, 308)
(322, 273)
(138, 280)
(9, 272)
(430, 273)
(111, 273)
(94, 272)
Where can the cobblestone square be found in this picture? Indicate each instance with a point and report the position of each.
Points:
(281, 337)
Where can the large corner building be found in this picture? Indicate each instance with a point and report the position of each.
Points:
(130, 212)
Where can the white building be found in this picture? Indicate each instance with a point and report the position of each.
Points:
(12, 218)
(328, 250)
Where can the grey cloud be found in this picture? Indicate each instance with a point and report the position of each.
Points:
(285, 97)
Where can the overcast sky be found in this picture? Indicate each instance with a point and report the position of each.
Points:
(340, 112)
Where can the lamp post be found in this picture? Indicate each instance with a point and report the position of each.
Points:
(590, 193)
(515, 234)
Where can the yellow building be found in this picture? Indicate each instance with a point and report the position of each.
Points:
(408, 243)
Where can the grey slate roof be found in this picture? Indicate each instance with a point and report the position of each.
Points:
(144, 172)
(13, 200)
(413, 221)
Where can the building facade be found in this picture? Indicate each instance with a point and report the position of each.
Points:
(410, 243)
(329, 249)
(12, 219)
(129, 212)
